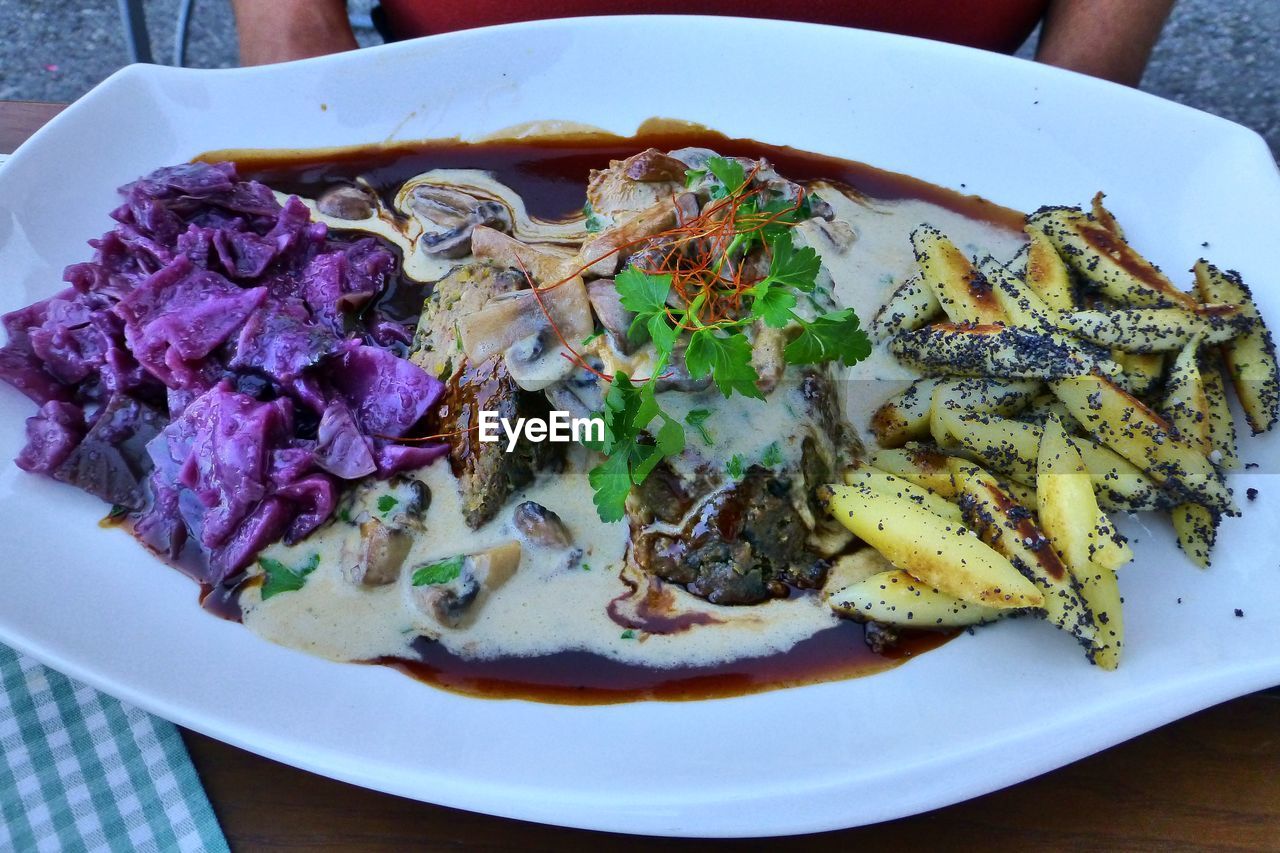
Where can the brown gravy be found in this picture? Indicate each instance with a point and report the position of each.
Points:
(580, 678)
(551, 174)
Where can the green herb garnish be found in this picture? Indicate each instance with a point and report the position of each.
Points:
(772, 456)
(593, 223)
(278, 578)
(629, 410)
(707, 300)
(386, 503)
(628, 634)
(734, 466)
(697, 418)
(438, 572)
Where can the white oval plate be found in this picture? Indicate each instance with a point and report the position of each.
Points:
(982, 712)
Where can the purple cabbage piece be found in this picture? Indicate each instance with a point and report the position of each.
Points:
(199, 180)
(221, 446)
(179, 315)
(282, 341)
(160, 527)
(112, 461)
(341, 448)
(51, 436)
(268, 523)
(387, 394)
(314, 499)
(290, 464)
(243, 254)
(24, 372)
(398, 458)
(261, 336)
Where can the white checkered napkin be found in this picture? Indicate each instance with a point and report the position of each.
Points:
(80, 771)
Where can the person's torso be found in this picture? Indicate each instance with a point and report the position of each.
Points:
(991, 24)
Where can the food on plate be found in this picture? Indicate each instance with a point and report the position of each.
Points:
(1093, 385)
(593, 419)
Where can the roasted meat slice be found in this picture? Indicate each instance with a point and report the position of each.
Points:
(745, 539)
(743, 544)
(460, 294)
(487, 474)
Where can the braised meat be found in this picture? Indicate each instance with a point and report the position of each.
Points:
(487, 474)
(745, 543)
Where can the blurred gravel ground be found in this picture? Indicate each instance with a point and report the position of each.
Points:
(1222, 56)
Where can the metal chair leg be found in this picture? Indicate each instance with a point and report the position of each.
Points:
(181, 31)
(135, 30)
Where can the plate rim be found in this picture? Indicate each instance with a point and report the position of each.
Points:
(1222, 685)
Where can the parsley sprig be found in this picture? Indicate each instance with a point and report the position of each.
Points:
(710, 309)
(631, 454)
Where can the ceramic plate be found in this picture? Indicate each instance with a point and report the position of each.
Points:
(983, 712)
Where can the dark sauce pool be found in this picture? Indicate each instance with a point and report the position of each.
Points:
(551, 175)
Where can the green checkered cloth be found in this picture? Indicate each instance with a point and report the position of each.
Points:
(80, 771)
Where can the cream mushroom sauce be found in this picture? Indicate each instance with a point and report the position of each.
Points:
(580, 597)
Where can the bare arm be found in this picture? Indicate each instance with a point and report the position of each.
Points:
(280, 30)
(1111, 39)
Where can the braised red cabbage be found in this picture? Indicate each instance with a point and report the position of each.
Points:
(219, 368)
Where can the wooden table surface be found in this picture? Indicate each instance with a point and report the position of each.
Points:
(1209, 781)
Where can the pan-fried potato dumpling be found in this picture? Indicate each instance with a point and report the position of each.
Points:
(920, 464)
(900, 488)
(979, 396)
(964, 293)
(1068, 507)
(998, 350)
(1083, 535)
(912, 305)
(1021, 305)
(1101, 592)
(1197, 529)
(904, 417)
(1132, 429)
(1250, 358)
(1140, 372)
(896, 598)
(1046, 273)
(1155, 330)
(1102, 258)
(1011, 529)
(1222, 426)
(942, 553)
(1185, 402)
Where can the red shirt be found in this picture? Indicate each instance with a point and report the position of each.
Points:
(991, 24)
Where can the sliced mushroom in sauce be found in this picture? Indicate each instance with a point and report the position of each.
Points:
(453, 603)
(347, 202)
(380, 555)
(449, 216)
(540, 526)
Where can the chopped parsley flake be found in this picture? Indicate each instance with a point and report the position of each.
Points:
(734, 466)
(697, 418)
(772, 456)
(278, 578)
(439, 572)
